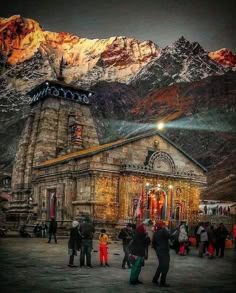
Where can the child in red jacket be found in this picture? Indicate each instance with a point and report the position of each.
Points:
(103, 241)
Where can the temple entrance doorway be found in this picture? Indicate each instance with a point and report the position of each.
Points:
(52, 203)
(157, 206)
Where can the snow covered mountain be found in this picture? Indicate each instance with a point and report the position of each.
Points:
(134, 82)
(182, 61)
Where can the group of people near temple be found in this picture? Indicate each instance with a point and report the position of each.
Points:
(41, 230)
(136, 242)
(210, 241)
(217, 210)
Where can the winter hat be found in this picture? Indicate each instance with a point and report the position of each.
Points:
(141, 229)
(75, 224)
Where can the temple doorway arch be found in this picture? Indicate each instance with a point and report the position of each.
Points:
(52, 199)
(157, 203)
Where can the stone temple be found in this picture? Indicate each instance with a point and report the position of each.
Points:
(61, 170)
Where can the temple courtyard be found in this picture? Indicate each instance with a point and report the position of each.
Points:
(33, 265)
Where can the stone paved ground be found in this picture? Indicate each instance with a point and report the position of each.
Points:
(32, 265)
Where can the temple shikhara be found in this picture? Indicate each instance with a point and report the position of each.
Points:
(61, 170)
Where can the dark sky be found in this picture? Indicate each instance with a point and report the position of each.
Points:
(212, 23)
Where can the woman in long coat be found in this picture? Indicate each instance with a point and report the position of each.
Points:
(74, 242)
(138, 248)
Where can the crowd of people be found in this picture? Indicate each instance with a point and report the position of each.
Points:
(135, 241)
(210, 239)
(216, 210)
(40, 230)
(210, 242)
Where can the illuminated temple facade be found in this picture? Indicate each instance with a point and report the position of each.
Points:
(62, 171)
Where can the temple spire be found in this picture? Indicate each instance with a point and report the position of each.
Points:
(61, 68)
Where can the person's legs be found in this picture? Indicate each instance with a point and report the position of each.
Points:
(55, 237)
(135, 271)
(158, 271)
(126, 256)
(217, 248)
(88, 250)
(201, 248)
(71, 260)
(105, 253)
(50, 237)
(165, 261)
(82, 254)
(222, 248)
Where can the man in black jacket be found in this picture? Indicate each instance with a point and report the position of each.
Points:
(126, 234)
(52, 230)
(86, 230)
(161, 245)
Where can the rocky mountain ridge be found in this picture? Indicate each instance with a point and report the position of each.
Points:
(136, 84)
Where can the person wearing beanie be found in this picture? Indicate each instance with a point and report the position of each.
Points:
(103, 242)
(74, 242)
(137, 249)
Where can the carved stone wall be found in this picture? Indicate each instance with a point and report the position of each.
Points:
(47, 135)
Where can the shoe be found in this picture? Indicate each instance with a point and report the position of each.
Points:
(72, 266)
(81, 266)
(106, 264)
(164, 285)
(89, 267)
(123, 267)
(139, 282)
(155, 282)
(101, 264)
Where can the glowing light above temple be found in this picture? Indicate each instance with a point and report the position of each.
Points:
(160, 125)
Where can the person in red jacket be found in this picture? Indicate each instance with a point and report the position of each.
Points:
(103, 242)
(234, 235)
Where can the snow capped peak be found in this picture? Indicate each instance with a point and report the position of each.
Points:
(181, 45)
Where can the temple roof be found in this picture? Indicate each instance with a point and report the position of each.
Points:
(109, 146)
(59, 89)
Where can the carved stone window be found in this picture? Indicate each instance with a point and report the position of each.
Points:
(161, 161)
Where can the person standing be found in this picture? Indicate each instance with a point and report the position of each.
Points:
(234, 235)
(52, 230)
(44, 229)
(103, 242)
(160, 243)
(203, 240)
(86, 231)
(221, 235)
(211, 242)
(74, 242)
(137, 249)
(183, 239)
(126, 234)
